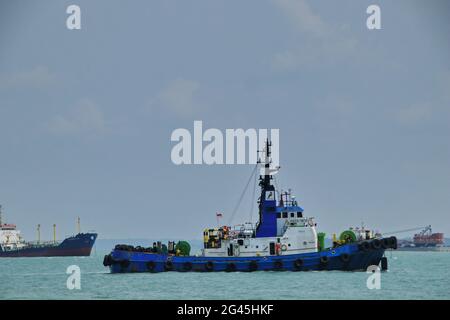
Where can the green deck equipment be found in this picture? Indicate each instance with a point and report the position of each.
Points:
(184, 247)
(321, 240)
(347, 236)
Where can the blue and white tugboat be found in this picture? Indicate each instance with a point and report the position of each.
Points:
(282, 239)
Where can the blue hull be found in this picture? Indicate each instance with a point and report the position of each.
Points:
(349, 257)
(79, 245)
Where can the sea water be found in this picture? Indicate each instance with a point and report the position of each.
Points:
(411, 275)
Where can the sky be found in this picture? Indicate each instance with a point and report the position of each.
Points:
(86, 115)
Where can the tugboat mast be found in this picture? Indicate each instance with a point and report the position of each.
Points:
(268, 171)
(265, 180)
(266, 226)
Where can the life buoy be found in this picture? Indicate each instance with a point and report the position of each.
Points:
(231, 267)
(283, 247)
(150, 265)
(376, 243)
(187, 266)
(324, 260)
(345, 257)
(209, 266)
(278, 265)
(168, 265)
(253, 265)
(298, 263)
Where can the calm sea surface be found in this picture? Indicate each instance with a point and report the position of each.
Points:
(412, 275)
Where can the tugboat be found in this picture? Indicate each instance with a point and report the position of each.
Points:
(283, 239)
(12, 245)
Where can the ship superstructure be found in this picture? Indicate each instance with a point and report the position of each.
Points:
(281, 227)
(10, 238)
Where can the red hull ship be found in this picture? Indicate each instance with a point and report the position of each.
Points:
(426, 238)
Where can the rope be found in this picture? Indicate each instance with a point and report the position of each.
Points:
(277, 188)
(242, 195)
(401, 231)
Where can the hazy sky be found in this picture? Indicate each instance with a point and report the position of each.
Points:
(86, 115)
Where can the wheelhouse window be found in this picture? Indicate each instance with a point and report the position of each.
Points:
(278, 215)
(299, 215)
(285, 214)
(292, 214)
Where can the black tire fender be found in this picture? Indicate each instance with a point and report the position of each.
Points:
(345, 257)
(364, 246)
(125, 264)
(209, 266)
(298, 263)
(187, 266)
(168, 265)
(253, 265)
(150, 265)
(376, 244)
(324, 260)
(108, 260)
(385, 243)
(393, 242)
(278, 265)
(231, 267)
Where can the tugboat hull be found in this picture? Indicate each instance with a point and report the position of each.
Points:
(349, 257)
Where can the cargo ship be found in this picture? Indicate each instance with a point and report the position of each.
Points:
(425, 240)
(13, 245)
(282, 239)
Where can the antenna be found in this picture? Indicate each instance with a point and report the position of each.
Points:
(54, 233)
(39, 233)
(1, 215)
(78, 226)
